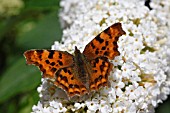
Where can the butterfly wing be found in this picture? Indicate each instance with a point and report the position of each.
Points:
(101, 68)
(66, 79)
(49, 61)
(105, 44)
(99, 50)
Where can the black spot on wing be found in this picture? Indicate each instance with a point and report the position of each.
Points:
(95, 71)
(102, 68)
(107, 43)
(115, 48)
(106, 53)
(97, 60)
(107, 31)
(116, 38)
(36, 63)
(60, 62)
(51, 53)
(76, 86)
(72, 78)
(47, 61)
(60, 55)
(53, 69)
(41, 66)
(71, 93)
(69, 72)
(92, 45)
(98, 79)
(71, 86)
(40, 57)
(65, 78)
(103, 48)
(77, 92)
(39, 51)
(100, 40)
(103, 63)
(97, 52)
(114, 43)
(65, 70)
(52, 63)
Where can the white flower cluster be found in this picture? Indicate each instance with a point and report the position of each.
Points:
(10, 7)
(141, 77)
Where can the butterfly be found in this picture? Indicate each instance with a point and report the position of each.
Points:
(80, 73)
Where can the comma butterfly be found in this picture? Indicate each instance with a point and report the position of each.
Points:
(83, 72)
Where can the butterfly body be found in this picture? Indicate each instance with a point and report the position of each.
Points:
(80, 73)
(82, 68)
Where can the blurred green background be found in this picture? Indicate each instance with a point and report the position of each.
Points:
(33, 24)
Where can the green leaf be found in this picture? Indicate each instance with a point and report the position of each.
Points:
(42, 4)
(27, 101)
(18, 78)
(43, 34)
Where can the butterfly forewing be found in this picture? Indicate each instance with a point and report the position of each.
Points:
(105, 44)
(49, 61)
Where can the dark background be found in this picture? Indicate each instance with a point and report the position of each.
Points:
(35, 27)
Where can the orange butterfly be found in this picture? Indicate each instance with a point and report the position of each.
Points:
(83, 72)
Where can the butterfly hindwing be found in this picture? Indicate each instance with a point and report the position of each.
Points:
(49, 61)
(101, 68)
(66, 79)
(105, 44)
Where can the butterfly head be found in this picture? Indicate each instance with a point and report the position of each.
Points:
(77, 51)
